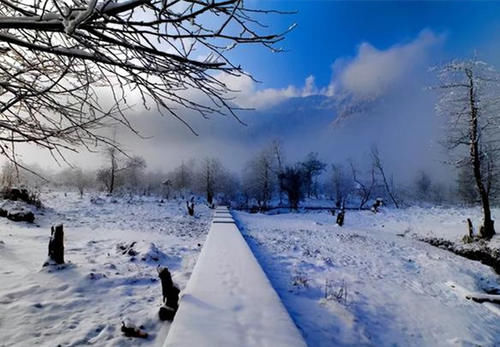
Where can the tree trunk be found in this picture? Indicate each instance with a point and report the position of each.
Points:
(487, 230)
(56, 244)
(470, 227)
(112, 181)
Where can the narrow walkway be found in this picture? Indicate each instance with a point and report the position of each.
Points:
(228, 300)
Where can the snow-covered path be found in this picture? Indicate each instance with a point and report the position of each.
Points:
(228, 300)
(397, 290)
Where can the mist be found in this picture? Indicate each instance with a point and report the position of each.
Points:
(375, 98)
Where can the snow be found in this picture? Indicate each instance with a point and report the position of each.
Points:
(85, 302)
(372, 282)
(228, 300)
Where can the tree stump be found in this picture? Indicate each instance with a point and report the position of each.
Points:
(170, 295)
(190, 207)
(471, 228)
(470, 236)
(340, 218)
(56, 244)
(377, 204)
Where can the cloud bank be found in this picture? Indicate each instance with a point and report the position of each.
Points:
(370, 73)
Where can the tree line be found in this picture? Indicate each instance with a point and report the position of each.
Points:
(268, 180)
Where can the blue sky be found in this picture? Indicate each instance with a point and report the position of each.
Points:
(328, 30)
(385, 50)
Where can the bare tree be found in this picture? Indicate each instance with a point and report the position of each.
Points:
(107, 175)
(377, 163)
(120, 170)
(342, 186)
(423, 185)
(9, 175)
(470, 99)
(182, 178)
(229, 188)
(279, 156)
(76, 177)
(363, 188)
(259, 177)
(210, 178)
(58, 57)
(292, 183)
(132, 173)
(312, 168)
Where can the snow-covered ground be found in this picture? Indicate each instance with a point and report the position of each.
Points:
(105, 282)
(372, 282)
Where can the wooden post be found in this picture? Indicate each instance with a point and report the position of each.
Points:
(56, 244)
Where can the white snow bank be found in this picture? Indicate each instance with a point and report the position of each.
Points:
(228, 300)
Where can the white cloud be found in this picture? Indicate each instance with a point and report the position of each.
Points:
(247, 95)
(370, 73)
(310, 87)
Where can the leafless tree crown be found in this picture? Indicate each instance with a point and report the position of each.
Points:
(58, 58)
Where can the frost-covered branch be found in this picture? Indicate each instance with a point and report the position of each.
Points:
(58, 58)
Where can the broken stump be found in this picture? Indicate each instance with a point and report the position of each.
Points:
(190, 207)
(56, 244)
(340, 218)
(170, 295)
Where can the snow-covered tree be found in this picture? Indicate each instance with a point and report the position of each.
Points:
(259, 177)
(423, 185)
(388, 182)
(120, 170)
(78, 178)
(182, 178)
(363, 188)
(107, 174)
(470, 98)
(279, 156)
(210, 178)
(341, 184)
(58, 59)
(9, 175)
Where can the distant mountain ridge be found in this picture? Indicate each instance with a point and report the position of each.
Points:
(314, 113)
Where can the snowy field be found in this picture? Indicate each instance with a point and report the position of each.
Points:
(372, 282)
(106, 282)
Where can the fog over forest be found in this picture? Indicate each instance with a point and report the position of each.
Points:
(381, 97)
